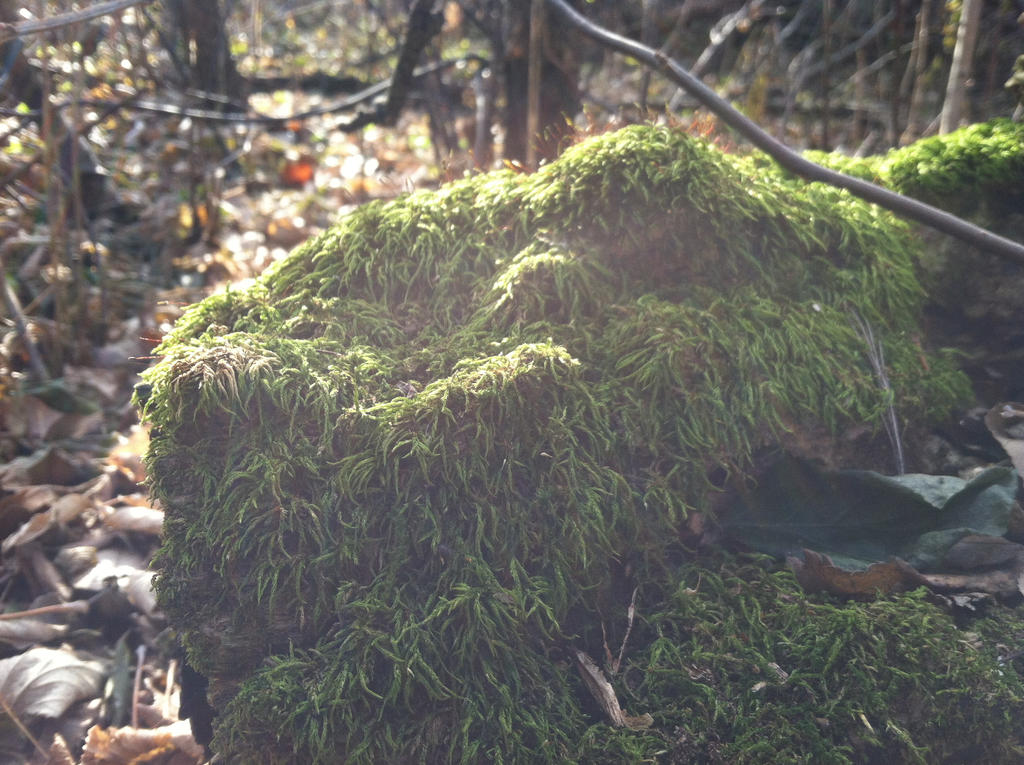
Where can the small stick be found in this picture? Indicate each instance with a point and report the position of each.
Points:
(630, 615)
(172, 670)
(21, 726)
(140, 656)
(74, 607)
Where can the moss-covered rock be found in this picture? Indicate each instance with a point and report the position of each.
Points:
(443, 442)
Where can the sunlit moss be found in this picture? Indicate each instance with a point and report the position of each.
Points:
(443, 442)
(977, 168)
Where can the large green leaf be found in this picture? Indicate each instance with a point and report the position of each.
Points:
(859, 517)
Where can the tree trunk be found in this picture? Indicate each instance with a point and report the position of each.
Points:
(559, 98)
(200, 26)
(960, 70)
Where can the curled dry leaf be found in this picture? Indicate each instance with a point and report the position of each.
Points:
(170, 745)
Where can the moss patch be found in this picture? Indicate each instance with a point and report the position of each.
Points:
(977, 169)
(443, 442)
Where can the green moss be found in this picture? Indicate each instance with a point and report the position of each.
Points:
(442, 442)
(977, 169)
(753, 671)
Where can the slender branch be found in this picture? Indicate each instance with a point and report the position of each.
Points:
(10, 31)
(209, 115)
(424, 24)
(786, 157)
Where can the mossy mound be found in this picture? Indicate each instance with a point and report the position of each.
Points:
(975, 299)
(444, 441)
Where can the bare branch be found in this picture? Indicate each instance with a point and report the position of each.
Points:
(10, 31)
(786, 157)
(208, 115)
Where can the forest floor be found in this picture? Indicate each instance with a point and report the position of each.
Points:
(86, 659)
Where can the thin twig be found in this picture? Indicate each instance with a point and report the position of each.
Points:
(208, 115)
(74, 607)
(172, 671)
(876, 356)
(140, 657)
(786, 157)
(630, 615)
(21, 726)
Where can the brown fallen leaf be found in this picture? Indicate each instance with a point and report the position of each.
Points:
(63, 510)
(817, 573)
(127, 454)
(46, 466)
(17, 507)
(170, 745)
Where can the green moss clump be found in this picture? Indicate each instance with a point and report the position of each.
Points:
(978, 169)
(442, 442)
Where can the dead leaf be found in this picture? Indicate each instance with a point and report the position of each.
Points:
(28, 418)
(75, 426)
(16, 507)
(22, 633)
(69, 507)
(64, 510)
(138, 588)
(127, 454)
(44, 682)
(46, 466)
(32, 529)
(817, 573)
(103, 380)
(145, 520)
(170, 745)
(968, 601)
(112, 562)
(42, 575)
